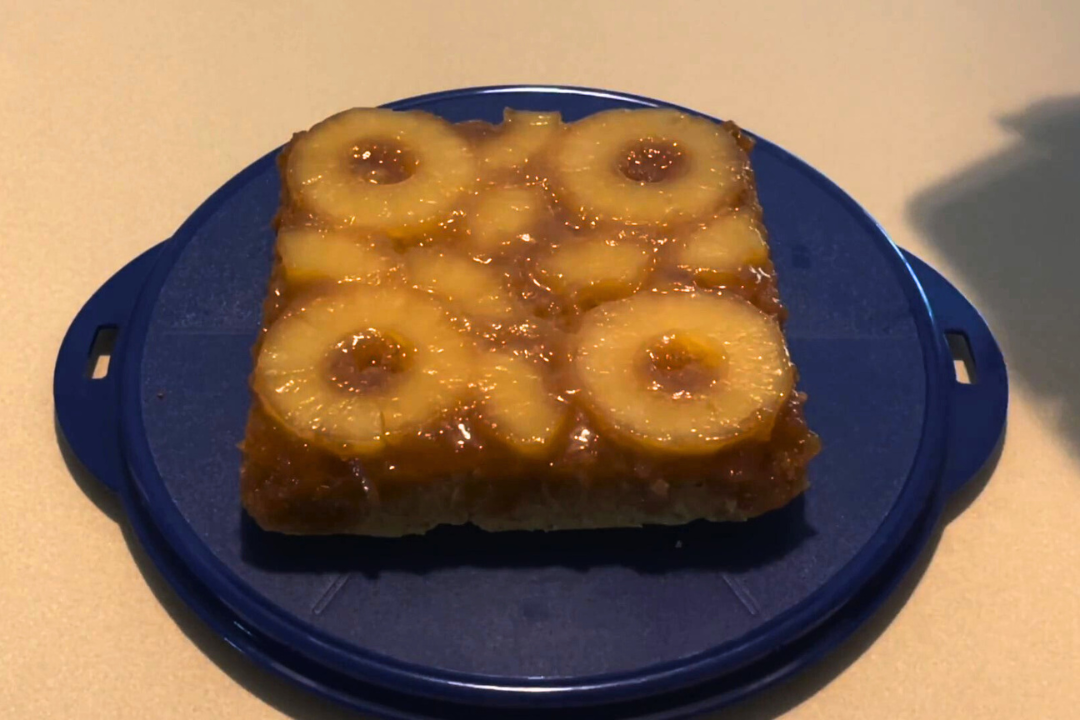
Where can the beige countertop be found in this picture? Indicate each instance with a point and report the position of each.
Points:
(957, 124)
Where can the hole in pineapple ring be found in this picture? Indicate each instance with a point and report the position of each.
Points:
(680, 365)
(652, 160)
(368, 361)
(381, 162)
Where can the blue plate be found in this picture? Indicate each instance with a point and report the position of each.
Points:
(659, 622)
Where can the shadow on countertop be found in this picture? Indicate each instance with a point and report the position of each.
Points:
(1010, 229)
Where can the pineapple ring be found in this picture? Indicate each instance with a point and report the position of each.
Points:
(420, 170)
(592, 171)
(738, 346)
(292, 381)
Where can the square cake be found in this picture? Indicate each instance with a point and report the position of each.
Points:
(535, 325)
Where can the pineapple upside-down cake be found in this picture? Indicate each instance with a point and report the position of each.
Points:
(531, 325)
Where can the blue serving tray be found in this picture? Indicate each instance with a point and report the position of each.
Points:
(651, 623)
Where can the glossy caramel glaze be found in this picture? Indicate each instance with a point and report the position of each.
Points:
(515, 264)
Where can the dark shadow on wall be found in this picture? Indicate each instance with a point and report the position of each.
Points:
(1010, 228)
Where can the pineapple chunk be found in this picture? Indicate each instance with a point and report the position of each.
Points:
(463, 284)
(523, 135)
(597, 270)
(716, 254)
(506, 216)
(309, 254)
(741, 373)
(517, 407)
